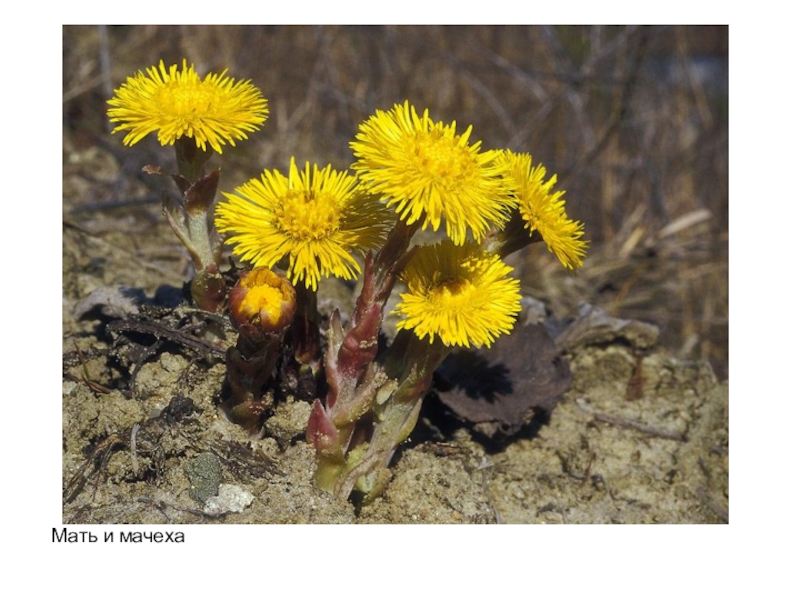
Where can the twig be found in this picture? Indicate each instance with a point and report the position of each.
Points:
(119, 203)
(613, 124)
(105, 65)
(163, 332)
(97, 387)
(622, 422)
(162, 506)
(79, 479)
(717, 508)
(110, 248)
(134, 459)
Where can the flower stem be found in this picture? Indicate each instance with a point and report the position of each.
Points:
(191, 222)
(410, 366)
(305, 328)
(354, 380)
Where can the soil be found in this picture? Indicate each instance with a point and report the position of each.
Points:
(639, 437)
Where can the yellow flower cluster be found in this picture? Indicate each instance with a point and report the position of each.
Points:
(429, 174)
(316, 219)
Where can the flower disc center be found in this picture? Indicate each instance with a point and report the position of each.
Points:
(453, 295)
(442, 160)
(182, 100)
(304, 216)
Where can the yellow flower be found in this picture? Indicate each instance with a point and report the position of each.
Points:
(316, 217)
(262, 302)
(429, 172)
(214, 111)
(544, 211)
(461, 294)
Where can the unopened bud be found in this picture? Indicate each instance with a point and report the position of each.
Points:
(262, 304)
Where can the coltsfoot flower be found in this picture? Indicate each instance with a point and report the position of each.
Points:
(316, 217)
(428, 172)
(461, 294)
(543, 210)
(214, 111)
(262, 303)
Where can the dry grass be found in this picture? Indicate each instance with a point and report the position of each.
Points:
(633, 119)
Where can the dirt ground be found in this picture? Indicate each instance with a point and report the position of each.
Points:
(640, 437)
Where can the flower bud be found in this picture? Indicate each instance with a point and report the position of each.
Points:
(262, 305)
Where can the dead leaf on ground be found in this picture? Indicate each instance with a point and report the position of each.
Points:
(499, 389)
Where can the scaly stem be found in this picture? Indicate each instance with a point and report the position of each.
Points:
(191, 222)
(353, 379)
(410, 364)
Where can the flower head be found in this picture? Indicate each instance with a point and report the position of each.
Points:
(316, 217)
(430, 173)
(261, 302)
(461, 294)
(544, 211)
(214, 111)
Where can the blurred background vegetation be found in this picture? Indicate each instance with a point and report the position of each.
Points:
(633, 119)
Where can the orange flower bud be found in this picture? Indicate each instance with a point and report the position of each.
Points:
(262, 304)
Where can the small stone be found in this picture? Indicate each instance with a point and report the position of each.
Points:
(205, 474)
(231, 499)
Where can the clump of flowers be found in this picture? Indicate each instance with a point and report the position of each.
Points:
(296, 227)
(196, 116)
